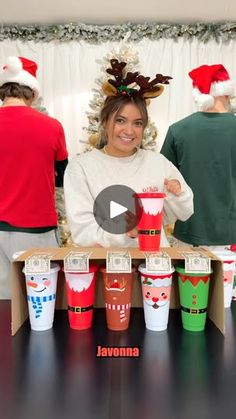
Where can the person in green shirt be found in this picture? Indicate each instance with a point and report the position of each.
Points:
(203, 147)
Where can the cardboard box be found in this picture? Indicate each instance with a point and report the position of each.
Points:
(19, 307)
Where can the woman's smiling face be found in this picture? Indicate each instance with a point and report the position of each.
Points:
(124, 131)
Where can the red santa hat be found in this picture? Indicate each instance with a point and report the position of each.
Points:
(210, 81)
(22, 71)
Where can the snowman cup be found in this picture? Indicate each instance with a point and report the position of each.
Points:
(41, 296)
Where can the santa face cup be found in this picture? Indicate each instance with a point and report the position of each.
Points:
(156, 290)
(149, 210)
(41, 296)
(117, 292)
(193, 293)
(228, 258)
(80, 291)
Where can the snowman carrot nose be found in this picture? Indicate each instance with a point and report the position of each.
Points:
(32, 284)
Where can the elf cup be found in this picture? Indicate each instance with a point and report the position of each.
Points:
(193, 294)
(80, 290)
(234, 288)
(117, 291)
(149, 210)
(228, 258)
(41, 296)
(156, 290)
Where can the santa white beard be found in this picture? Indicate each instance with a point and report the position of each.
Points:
(156, 318)
(228, 288)
(79, 282)
(159, 303)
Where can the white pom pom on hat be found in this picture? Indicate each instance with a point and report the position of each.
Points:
(22, 71)
(210, 81)
(13, 65)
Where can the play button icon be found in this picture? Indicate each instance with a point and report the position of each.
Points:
(114, 209)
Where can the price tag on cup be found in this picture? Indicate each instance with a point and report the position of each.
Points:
(77, 262)
(38, 263)
(158, 261)
(117, 262)
(196, 262)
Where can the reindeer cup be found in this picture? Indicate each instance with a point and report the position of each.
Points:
(117, 291)
(41, 296)
(156, 289)
(149, 209)
(80, 290)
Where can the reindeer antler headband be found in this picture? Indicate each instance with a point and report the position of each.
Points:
(132, 84)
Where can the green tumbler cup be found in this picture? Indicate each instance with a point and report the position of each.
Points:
(193, 293)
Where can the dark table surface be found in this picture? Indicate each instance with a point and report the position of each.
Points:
(56, 374)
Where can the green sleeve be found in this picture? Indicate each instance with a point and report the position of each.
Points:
(168, 148)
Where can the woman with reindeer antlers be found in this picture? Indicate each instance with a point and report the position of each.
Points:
(120, 160)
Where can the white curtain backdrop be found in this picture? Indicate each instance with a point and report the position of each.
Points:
(67, 74)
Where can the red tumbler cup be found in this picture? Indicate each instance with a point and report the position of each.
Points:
(149, 211)
(80, 290)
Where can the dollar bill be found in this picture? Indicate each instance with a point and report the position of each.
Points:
(118, 262)
(77, 262)
(158, 261)
(196, 262)
(38, 263)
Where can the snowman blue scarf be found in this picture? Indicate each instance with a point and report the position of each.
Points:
(37, 303)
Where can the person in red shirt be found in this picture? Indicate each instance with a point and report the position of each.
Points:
(32, 149)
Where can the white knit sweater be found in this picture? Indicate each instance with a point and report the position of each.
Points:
(89, 173)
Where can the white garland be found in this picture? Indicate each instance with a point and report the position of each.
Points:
(98, 34)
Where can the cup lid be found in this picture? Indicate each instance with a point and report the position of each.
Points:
(17, 254)
(225, 255)
(150, 195)
(54, 267)
(143, 270)
(103, 269)
(181, 270)
(92, 268)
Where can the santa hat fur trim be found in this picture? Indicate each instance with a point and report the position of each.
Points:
(203, 101)
(223, 88)
(22, 71)
(210, 81)
(165, 282)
